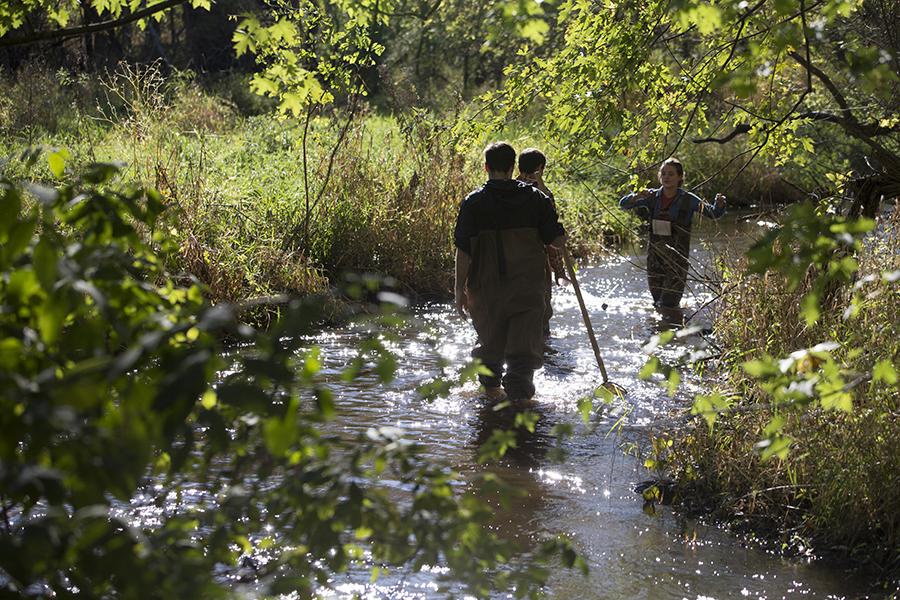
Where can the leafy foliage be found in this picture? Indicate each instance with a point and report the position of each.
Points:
(309, 57)
(110, 404)
(817, 400)
(810, 244)
(818, 251)
(634, 81)
(13, 14)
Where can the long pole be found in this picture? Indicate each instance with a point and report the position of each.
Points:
(570, 268)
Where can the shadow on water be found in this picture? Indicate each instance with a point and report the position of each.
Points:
(530, 449)
(521, 501)
(557, 363)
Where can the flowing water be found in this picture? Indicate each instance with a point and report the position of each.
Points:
(588, 497)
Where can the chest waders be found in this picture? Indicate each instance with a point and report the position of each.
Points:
(506, 302)
(667, 255)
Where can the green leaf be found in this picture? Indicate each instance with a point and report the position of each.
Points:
(649, 368)
(280, 434)
(885, 372)
(535, 30)
(673, 381)
(312, 364)
(709, 407)
(209, 399)
(526, 420)
(57, 162)
(22, 285)
(809, 308)
(10, 353)
(585, 407)
(18, 239)
(778, 446)
(386, 367)
(44, 261)
(706, 17)
(264, 86)
(837, 400)
(775, 426)
(50, 318)
(761, 369)
(10, 205)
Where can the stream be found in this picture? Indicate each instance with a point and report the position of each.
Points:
(590, 496)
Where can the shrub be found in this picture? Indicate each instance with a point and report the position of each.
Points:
(109, 396)
(823, 414)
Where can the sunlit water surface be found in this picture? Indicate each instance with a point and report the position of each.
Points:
(588, 497)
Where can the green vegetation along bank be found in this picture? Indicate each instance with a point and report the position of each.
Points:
(799, 443)
(264, 205)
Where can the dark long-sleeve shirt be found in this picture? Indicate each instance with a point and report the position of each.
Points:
(506, 204)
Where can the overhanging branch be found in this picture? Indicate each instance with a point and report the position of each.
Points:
(740, 129)
(826, 81)
(62, 34)
(846, 119)
(870, 129)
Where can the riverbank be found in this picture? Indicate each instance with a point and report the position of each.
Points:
(828, 426)
(262, 206)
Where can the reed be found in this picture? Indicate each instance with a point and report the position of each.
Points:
(839, 486)
(381, 196)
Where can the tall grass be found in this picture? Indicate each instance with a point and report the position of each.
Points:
(840, 485)
(253, 221)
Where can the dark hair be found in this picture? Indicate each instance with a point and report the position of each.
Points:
(500, 157)
(530, 160)
(674, 162)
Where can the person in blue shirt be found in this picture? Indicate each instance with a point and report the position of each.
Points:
(670, 210)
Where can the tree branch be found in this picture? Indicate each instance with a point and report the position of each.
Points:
(740, 129)
(863, 133)
(740, 31)
(62, 34)
(871, 129)
(826, 81)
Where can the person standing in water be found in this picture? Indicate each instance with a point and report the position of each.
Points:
(671, 210)
(501, 235)
(532, 163)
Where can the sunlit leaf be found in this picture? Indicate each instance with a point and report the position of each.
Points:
(885, 372)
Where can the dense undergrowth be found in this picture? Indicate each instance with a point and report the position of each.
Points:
(839, 484)
(379, 193)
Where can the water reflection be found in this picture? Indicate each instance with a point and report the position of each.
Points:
(589, 497)
(518, 497)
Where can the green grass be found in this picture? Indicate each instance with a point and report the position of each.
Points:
(248, 224)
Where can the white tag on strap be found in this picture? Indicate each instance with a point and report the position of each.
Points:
(661, 227)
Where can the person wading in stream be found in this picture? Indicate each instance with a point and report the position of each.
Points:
(532, 163)
(501, 235)
(670, 210)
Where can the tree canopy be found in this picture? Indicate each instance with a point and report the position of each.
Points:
(635, 82)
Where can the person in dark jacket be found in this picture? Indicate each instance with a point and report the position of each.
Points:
(670, 210)
(501, 235)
